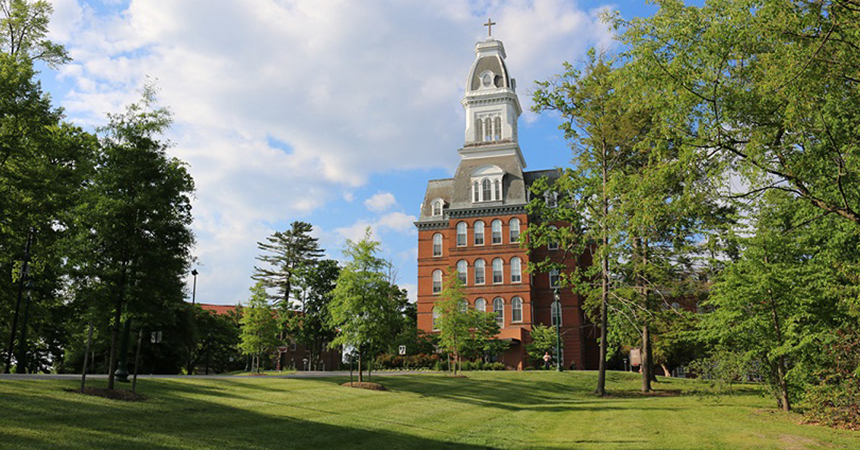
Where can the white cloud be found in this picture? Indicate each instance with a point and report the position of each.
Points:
(380, 201)
(280, 107)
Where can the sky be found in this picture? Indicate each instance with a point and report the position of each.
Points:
(335, 113)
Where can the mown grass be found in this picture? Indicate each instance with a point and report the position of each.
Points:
(487, 409)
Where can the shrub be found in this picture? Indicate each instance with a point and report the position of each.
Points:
(835, 400)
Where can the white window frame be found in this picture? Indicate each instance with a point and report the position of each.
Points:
(435, 314)
(498, 275)
(516, 270)
(516, 309)
(463, 271)
(499, 311)
(554, 277)
(496, 236)
(555, 316)
(437, 245)
(437, 281)
(480, 271)
(481, 305)
(514, 227)
(552, 245)
(437, 207)
(462, 234)
(478, 232)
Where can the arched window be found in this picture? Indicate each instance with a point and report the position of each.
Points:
(461, 234)
(553, 243)
(488, 129)
(553, 278)
(487, 190)
(551, 199)
(437, 207)
(481, 305)
(479, 232)
(479, 130)
(435, 318)
(476, 191)
(555, 313)
(498, 190)
(497, 231)
(462, 271)
(516, 270)
(498, 276)
(480, 271)
(497, 129)
(464, 305)
(437, 281)
(514, 227)
(499, 310)
(516, 309)
(437, 244)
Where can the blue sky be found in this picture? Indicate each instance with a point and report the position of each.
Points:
(330, 112)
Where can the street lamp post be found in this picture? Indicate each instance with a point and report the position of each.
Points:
(194, 289)
(556, 305)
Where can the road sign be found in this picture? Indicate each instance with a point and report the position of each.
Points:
(402, 349)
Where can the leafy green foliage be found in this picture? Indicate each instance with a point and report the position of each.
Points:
(543, 341)
(310, 325)
(259, 326)
(24, 26)
(287, 253)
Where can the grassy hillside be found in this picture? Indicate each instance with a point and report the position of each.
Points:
(488, 409)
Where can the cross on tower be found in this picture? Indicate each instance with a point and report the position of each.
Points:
(489, 26)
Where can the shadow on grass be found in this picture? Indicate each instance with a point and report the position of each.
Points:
(52, 418)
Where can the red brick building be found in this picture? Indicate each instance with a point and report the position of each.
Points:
(472, 223)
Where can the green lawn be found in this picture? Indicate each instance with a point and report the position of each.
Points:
(489, 409)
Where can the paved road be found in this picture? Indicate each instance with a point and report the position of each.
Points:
(311, 374)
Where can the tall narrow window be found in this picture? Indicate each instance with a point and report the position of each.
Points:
(497, 129)
(487, 190)
(481, 305)
(476, 191)
(555, 314)
(479, 233)
(514, 227)
(516, 270)
(437, 207)
(479, 130)
(480, 271)
(553, 278)
(488, 129)
(516, 309)
(462, 271)
(551, 199)
(435, 318)
(437, 244)
(499, 310)
(498, 275)
(498, 190)
(437, 281)
(497, 231)
(461, 234)
(553, 243)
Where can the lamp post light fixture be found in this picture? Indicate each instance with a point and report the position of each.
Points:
(556, 307)
(194, 289)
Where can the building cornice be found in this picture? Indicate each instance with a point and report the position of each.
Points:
(483, 211)
(437, 224)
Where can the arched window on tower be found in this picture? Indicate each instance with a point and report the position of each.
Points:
(479, 233)
(437, 281)
(462, 271)
(476, 191)
(437, 244)
(487, 190)
(498, 190)
(488, 129)
(497, 129)
(479, 130)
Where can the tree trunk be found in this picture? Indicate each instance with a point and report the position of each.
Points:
(646, 356)
(604, 295)
(23, 276)
(666, 370)
(360, 377)
(114, 337)
(781, 365)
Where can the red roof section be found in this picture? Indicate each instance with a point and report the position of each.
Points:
(218, 309)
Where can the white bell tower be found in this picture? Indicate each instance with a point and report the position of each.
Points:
(491, 103)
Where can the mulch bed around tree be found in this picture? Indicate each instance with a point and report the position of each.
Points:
(657, 393)
(365, 385)
(113, 394)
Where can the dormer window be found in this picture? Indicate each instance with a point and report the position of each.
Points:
(488, 79)
(438, 205)
(487, 184)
